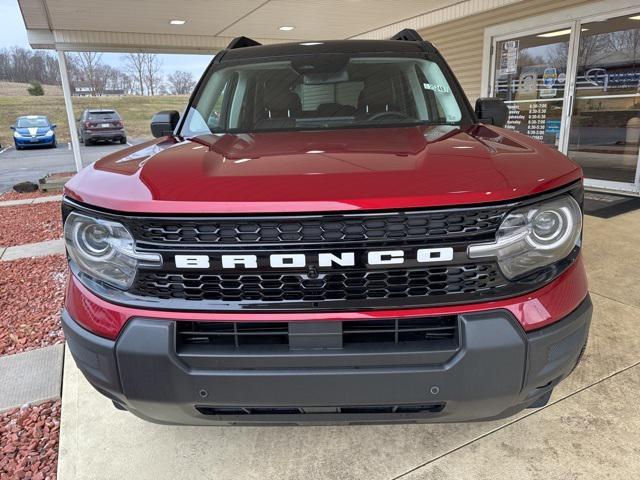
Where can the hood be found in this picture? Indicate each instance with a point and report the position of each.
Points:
(331, 170)
(32, 131)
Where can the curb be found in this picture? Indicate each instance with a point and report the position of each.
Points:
(30, 250)
(31, 201)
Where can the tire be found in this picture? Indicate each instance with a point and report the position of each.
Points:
(54, 145)
(18, 147)
(80, 138)
(123, 140)
(88, 142)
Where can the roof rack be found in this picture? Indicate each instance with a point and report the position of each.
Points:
(241, 42)
(408, 35)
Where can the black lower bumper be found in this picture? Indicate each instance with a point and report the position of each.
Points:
(495, 371)
(104, 135)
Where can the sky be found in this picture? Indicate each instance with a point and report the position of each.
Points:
(13, 32)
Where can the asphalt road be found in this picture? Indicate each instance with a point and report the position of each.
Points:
(34, 163)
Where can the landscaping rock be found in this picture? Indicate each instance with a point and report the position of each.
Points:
(30, 437)
(24, 224)
(24, 187)
(31, 297)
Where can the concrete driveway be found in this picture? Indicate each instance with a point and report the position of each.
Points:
(590, 430)
(34, 163)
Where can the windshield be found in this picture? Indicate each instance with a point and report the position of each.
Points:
(325, 91)
(26, 122)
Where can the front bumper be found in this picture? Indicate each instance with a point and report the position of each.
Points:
(496, 370)
(34, 141)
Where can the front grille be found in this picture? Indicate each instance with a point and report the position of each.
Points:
(402, 226)
(241, 335)
(474, 279)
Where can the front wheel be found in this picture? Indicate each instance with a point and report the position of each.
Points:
(123, 140)
(18, 147)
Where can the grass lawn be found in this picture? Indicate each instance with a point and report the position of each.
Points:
(136, 111)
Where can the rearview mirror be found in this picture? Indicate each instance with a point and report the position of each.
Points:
(492, 111)
(164, 123)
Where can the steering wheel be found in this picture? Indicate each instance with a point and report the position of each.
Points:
(389, 113)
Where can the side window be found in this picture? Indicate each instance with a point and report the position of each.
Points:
(214, 119)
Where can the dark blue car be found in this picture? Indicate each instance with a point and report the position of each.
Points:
(32, 131)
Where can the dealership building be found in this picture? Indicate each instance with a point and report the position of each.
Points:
(569, 70)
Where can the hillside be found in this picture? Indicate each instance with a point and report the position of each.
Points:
(12, 89)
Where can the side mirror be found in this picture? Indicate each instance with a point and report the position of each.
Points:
(164, 123)
(12, 127)
(492, 110)
(52, 126)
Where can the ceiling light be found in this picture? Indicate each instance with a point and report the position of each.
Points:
(286, 28)
(635, 17)
(177, 22)
(559, 33)
(308, 44)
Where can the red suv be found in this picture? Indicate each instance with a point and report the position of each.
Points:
(330, 234)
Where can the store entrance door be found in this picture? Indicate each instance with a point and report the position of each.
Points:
(604, 134)
(577, 88)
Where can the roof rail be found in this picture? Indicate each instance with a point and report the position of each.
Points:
(408, 35)
(241, 42)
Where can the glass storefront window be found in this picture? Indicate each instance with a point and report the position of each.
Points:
(530, 76)
(605, 125)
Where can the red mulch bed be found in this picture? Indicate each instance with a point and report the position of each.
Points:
(11, 195)
(30, 437)
(31, 296)
(30, 223)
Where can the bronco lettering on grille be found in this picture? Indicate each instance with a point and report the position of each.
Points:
(300, 260)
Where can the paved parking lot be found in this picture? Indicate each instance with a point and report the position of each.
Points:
(34, 163)
(590, 430)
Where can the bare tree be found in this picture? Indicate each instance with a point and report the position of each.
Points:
(135, 63)
(152, 73)
(90, 65)
(21, 65)
(181, 82)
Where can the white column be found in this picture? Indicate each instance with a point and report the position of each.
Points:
(71, 118)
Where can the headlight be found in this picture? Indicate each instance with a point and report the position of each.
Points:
(49, 133)
(16, 135)
(534, 236)
(104, 250)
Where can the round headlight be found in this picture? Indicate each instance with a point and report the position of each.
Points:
(94, 239)
(550, 227)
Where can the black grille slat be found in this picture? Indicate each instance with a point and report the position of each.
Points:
(382, 331)
(403, 226)
(348, 410)
(361, 285)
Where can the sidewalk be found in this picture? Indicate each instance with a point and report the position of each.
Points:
(31, 377)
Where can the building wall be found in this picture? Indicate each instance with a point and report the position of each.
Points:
(461, 41)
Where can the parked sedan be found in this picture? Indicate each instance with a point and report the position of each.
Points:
(32, 131)
(95, 125)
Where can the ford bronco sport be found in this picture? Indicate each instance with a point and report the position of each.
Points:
(329, 234)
